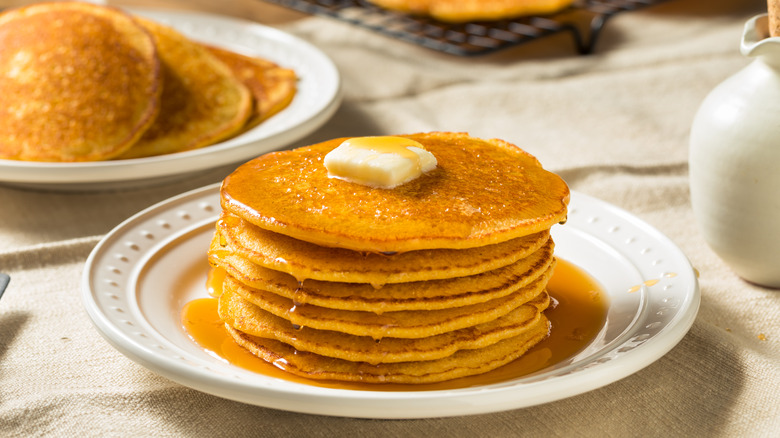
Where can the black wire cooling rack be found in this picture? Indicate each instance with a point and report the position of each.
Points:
(584, 20)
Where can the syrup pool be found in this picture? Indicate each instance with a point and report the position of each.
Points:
(577, 316)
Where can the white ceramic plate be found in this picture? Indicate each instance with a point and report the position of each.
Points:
(139, 277)
(318, 97)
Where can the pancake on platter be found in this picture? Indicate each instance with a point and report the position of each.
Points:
(458, 11)
(462, 363)
(252, 320)
(417, 295)
(202, 101)
(427, 259)
(306, 260)
(397, 324)
(272, 86)
(53, 57)
(460, 204)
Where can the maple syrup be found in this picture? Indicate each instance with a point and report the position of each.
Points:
(387, 145)
(577, 315)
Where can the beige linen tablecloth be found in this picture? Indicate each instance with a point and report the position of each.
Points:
(614, 124)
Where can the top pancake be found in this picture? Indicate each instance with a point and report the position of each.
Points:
(202, 101)
(52, 57)
(482, 192)
(457, 11)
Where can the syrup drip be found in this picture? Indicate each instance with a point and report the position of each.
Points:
(214, 282)
(577, 315)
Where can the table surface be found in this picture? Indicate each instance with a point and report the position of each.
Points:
(614, 124)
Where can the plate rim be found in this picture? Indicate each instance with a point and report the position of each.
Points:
(234, 150)
(333, 402)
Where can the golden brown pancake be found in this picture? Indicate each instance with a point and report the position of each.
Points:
(458, 11)
(250, 319)
(482, 192)
(202, 101)
(441, 277)
(79, 82)
(396, 324)
(304, 260)
(460, 364)
(272, 86)
(418, 295)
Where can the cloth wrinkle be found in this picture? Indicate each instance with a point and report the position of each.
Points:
(55, 253)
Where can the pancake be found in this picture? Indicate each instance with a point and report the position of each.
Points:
(442, 276)
(304, 260)
(463, 363)
(482, 192)
(202, 101)
(418, 295)
(79, 82)
(250, 319)
(458, 11)
(272, 86)
(396, 324)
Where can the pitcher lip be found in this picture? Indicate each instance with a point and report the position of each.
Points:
(755, 37)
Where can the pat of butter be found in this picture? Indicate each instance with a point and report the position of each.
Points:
(384, 162)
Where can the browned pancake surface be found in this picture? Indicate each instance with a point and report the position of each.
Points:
(79, 82)
(482, 192)
(438, 278)
(397, 324)
(460, 364)
(304, 260)
(250, 319)
(202, 101)
(272, 86)
(418, 295)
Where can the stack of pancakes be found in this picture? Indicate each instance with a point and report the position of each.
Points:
(439, 278)
(83, 82)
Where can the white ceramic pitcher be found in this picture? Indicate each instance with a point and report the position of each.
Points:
(735, 162)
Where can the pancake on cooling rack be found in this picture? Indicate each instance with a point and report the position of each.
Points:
(84, 82)
(53, 57)
(458, 11)
(405, 259)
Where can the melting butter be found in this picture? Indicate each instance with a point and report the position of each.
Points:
(382, 161)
